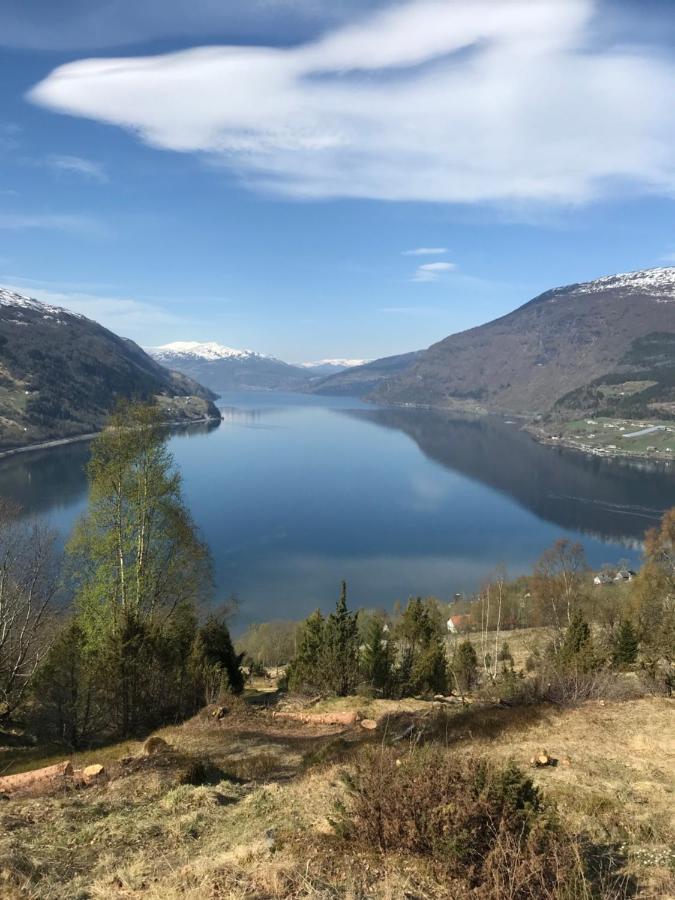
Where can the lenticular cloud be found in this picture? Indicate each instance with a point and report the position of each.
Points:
(465, 101)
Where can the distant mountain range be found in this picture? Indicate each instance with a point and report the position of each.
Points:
(224, 369)
(603, 347)
(61, 374)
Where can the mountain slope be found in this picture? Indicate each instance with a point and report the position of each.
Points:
(556, 344)
(61, 374)
(358, 381)
(224, 369)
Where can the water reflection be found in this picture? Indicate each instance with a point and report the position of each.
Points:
(603, 497)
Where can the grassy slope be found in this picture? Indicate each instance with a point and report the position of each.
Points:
(262, 829)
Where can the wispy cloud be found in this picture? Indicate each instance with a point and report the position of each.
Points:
(77, 165)
(433, 271)
(506, 103)
(123, 315)
(426, 251)
(70, 223)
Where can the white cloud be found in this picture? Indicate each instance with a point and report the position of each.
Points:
(77, 165)
(426, 251)
(469, 101)
(433, 271)
(75, 224)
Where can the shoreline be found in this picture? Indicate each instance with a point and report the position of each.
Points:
(77, 438)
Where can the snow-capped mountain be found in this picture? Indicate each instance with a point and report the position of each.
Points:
(196, 350)
(656, 283)
(570, 347)
(226, 369)
(332, 366)
(20, 302)
(62, 374)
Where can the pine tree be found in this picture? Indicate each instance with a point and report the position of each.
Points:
(577, 651)
(376, 659)
(625, 649)
(305, 671)
(423, 665)
(341, 648)
(465, 665)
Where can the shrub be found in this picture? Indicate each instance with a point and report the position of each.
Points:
(484, 824)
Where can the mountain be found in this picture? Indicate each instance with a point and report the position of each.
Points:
(325, 367)
(359, 381)
(565, 343)
(225, 369)
(61, 374)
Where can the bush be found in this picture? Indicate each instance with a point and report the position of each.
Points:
(481, 823)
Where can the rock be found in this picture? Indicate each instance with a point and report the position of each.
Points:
(93, 773)
(154, 745)
(368, 724)
(566, 761)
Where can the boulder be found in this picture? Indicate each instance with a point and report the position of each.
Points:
(95, 772)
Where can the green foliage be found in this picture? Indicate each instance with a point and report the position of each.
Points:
(465, 665)
(341, 648)
(215, 662)
(69, 700)
(305, 671)
(423, 665)
(577, 651)
(376, 657)
(139, 571)
(485, 825)
(625, 645)
(328, 652)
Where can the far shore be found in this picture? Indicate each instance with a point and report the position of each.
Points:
(77, 438)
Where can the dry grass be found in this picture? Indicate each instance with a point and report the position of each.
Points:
(263, 830)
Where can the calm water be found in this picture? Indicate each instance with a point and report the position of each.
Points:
(293, 494)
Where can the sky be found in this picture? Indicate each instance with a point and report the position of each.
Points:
(346, 179)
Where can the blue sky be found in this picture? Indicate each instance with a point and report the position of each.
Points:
(258, 172)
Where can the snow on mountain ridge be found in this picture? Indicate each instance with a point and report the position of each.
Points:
(343, 363)
(19, 301)
(207, 350)
(659, 282)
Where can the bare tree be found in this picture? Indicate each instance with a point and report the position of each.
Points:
(27, 587)
(560, 583)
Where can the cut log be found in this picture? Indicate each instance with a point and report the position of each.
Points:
(336, 718)
(36, 778)
(368, 724)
